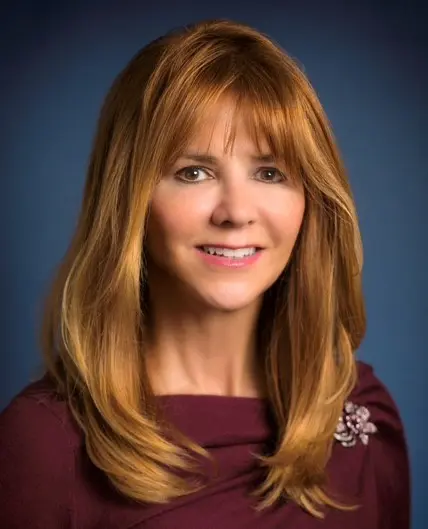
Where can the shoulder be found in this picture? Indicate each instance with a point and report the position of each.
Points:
(375, 404)
(38, 440)
(40, 415)
(370, 456)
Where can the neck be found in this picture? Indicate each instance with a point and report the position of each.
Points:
(196, 350)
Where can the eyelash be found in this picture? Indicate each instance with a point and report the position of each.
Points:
(179, 174)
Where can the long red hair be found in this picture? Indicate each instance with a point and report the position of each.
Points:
(313, 318)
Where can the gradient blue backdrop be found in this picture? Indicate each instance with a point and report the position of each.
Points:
(368, 64)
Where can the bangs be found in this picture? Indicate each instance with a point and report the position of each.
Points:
(269, 125)
(268, 108)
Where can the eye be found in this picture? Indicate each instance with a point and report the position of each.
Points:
(270, 175)
(192, 174)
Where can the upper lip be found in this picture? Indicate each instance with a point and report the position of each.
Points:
(230, 246)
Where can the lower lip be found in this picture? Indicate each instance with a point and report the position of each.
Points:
(230, 262)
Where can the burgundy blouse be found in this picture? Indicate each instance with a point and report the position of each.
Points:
(48, 482)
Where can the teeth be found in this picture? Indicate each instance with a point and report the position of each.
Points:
(227, 252)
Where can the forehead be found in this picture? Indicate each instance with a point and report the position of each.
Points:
(224, 128)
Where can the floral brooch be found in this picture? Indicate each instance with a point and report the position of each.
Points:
(354, 425)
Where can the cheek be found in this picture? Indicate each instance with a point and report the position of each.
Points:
(285, 219)
(175, 219)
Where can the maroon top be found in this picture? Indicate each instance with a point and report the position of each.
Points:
(48, 482)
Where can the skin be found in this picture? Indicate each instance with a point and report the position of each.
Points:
(204, 317)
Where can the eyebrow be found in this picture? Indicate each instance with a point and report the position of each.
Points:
(213, 160)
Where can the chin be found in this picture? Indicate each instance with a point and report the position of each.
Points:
(230, 298)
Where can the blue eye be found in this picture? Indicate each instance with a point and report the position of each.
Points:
(192, 174)
(271, 175)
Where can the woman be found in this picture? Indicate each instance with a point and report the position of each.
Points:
(200, 336)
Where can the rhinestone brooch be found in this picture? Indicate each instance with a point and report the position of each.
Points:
(354, 425)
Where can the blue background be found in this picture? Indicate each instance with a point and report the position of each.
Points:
(368, 63)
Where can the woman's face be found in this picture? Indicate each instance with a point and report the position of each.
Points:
(222, 224)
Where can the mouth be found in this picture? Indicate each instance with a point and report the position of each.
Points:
(230, 253)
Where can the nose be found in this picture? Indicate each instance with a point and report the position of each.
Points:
(236, 205)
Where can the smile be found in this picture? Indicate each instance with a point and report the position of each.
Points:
(236, 253)
(217, 256)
